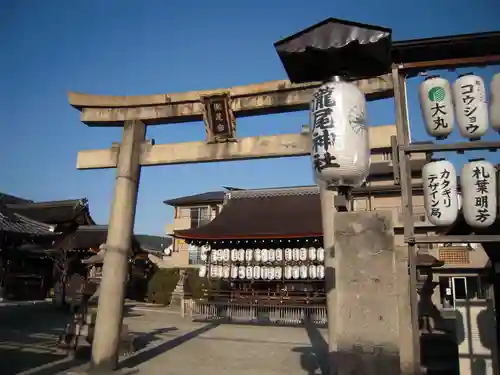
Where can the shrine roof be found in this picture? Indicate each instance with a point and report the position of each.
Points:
(13, 223)
(264, 214)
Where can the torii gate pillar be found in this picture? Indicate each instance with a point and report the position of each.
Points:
(118, 246)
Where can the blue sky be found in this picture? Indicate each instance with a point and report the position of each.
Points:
(125, 47)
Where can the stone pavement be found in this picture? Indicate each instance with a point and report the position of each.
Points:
(172, 345)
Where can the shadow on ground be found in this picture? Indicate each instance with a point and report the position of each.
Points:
(315, 356)
(146, 354)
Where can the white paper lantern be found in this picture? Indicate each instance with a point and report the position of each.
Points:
(312, 271)
(303, 254)
(270, 273)
(234, 272)
(439, 179)
(320, 272)
(295, 272)
(213, 271)
(241, 272)
(234, 255)
(219, 255)
(288, 254)
(256, 272)
(288, 272)
(311, 253)
(471, 108)
(257, 255)
(340, 147)
(495, 102)
(279, 255)
(220, 271)
(278, 273)
(226, 255)
(479, 193)
(204, 255)
(202, 272)
(320, 254)
(272, 255)
(303, 271)
(295, 254)
(213, 256)
(264, 255)
(225, 272)
(436, 103)
(263, 273)
(248, 255)
(241, 255)
(249, 272)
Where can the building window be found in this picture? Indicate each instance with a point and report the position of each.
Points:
(200, 216)
(194, 255)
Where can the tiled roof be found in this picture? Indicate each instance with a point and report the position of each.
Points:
(15, 223)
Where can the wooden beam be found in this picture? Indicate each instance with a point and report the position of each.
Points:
(257, 99)
(274, 146)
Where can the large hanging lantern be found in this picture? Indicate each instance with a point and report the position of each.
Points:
(234, 272)
(257, 255)
(339, 137)
(312, 253)
(225, 272)
(479, 193)
(436, 103)
(271, 255)
(279, 255)
(495, 102)
(256, 272)
(440, 192)
(202, 272)
(471, 108)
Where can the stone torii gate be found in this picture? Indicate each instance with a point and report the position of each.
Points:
(218, 108)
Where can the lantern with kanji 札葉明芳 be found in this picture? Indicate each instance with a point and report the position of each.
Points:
(339, 137)
(471, 108)
(479, 193)
(439, 180)
(436, 103)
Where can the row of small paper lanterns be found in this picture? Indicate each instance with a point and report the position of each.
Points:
(264, 255)
(479, 193)
(264, 273)
(466, 101)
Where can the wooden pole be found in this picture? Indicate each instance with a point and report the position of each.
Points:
(118, 246)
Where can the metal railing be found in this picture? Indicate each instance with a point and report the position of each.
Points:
(276, 314)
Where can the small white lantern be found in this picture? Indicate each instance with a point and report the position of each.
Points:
(295, 272)
(257, 255)
(436, 103)
(439, 179)
(303, 271)
(320, 254)
(295, 254)
(263, 273)
(234, 255)
(234, 272)
(241, 272)
(312, 271)
(248, 255)
(303, 254)
(219, 255)
(256, 272)
(249, 272)
(270, 273)
(479, 193)
(288, 272)
(278, 273)
(311, 253)
(213, 256)
(213, 271)
(264, 255)
(471, 108)
(320, 272)
(288, 254)
(226, 255)
(204, 254)
(271, 255)
(225, 272)
(495, 102)
(279, 255)
(339, 137)
(241, 255)
(202, 272)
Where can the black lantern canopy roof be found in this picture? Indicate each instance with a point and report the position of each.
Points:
(336, 47)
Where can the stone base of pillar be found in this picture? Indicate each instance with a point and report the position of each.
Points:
(177, 300)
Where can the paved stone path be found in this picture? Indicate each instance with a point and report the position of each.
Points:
(167, 343)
